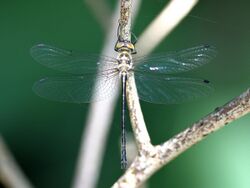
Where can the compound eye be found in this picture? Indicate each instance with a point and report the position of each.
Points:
(118, 45)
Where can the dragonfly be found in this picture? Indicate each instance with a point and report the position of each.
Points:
(154, 76)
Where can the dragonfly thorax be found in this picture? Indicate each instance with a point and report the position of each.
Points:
(124, 59)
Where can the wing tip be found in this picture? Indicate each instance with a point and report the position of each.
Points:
(211, 48)
(37, 83)
(35, 48)
(39, 45)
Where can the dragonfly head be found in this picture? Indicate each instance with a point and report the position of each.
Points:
(125, 46)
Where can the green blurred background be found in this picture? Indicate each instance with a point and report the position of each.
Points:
(45, 136)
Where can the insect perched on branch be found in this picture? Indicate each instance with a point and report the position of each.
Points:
(154, 76)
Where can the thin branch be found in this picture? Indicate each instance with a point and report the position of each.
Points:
(136, 117)
(102, 12)
(221, 116)
(98, 121)
(125, 20)
(152, 158)
(10, 173)
(165, 22)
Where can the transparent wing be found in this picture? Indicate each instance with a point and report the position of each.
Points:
(76, 89)
(175, 62)
(161, 89)
(69, 61)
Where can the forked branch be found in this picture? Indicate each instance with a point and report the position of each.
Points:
(151, 158)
